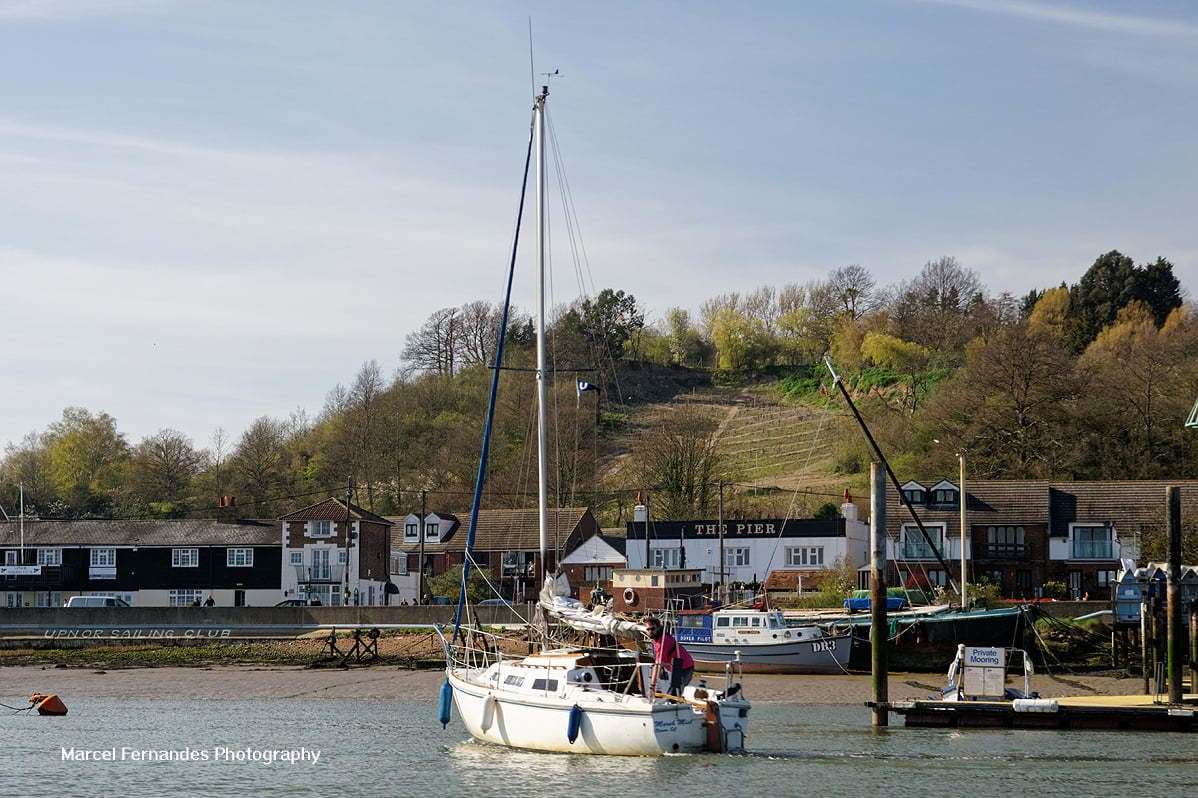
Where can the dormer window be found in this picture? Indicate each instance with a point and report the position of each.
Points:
(914, 493)
(432, 531)
(411, 531)
(944, 496)
(945, 493)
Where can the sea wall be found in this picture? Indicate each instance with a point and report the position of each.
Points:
(75, 622)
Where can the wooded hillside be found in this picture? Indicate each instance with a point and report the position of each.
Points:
(1090, 380)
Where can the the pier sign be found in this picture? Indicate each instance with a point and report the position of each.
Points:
(739, 528)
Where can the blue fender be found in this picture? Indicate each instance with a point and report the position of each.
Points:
(575, 724)
(443, 706)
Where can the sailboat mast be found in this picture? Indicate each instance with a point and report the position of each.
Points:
(542, 428)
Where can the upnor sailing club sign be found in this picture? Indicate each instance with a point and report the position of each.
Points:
(740, 528)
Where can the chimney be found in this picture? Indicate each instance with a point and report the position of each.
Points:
(848, 510)
(640, 514)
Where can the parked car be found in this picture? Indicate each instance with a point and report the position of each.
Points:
(95, 601)
(493, 602)
(442, 600)
(298, 603)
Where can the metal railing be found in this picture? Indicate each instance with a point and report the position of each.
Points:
(1093, 550)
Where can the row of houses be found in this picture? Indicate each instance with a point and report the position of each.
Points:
(1019, 535)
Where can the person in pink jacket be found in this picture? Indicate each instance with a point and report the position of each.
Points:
(667, 653)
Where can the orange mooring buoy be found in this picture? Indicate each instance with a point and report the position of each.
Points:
(47, 704)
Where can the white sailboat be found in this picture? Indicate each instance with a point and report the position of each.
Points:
(590, 700)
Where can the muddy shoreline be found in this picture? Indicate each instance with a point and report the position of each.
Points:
(389, 683)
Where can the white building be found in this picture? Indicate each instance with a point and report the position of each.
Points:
(753, 548)
(336, 555)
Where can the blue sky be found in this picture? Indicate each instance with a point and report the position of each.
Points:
(217, 210)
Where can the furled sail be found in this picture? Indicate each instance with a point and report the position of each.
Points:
(555, 599)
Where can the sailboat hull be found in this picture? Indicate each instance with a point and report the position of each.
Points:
(610, 723)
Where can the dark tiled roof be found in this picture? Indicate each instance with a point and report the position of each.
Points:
(141, 533)
(501, 530)
(333, 509)
(1132, 506)
(619, 543)
(989, 501)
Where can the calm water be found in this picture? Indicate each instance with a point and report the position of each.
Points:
(397, 749)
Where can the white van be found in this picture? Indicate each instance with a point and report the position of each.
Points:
(95, 601)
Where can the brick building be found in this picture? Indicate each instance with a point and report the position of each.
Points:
(1023, 533)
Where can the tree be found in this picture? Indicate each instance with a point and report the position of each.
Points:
(163, 467)
(680, 461)
(449, 584)
(854, 289)
(740, 342)
(1110, 284)
(1143, 382)
(367, 425)
(87, 456)
(686, 347)
(902, 357)
(27, 463)
(607, 322)
(1050, 314)
(935, 308)
(260, 462)
(478, 328)
(1011, 406)
(433, 348)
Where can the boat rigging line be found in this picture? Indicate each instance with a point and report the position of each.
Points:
(839, 383)
(501, 339)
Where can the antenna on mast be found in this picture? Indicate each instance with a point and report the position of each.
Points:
(532, 79)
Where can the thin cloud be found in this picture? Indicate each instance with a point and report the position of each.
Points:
(67, 10)
(1079, 17)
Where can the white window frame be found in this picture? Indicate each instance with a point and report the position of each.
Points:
(911, 535)
(102, 557)
(240, 557)
(295, 557)
(597, 573)
(411, 531)
(320, 529)
(341, 553)
(665, 557)
(10, 557)
(737, 557)
(49, 556)
(805, 556)
(185, 557)
(186, 597)
(432, 531)
(1073, 529)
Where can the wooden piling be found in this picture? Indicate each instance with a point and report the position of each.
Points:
(1145, 647)
(1173, 596)
(878, 628)
(1194, 647)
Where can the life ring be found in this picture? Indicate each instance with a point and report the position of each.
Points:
(630, 597)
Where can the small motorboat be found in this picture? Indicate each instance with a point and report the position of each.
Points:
(761, 640)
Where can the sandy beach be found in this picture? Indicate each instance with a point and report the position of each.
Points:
(391, 683)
